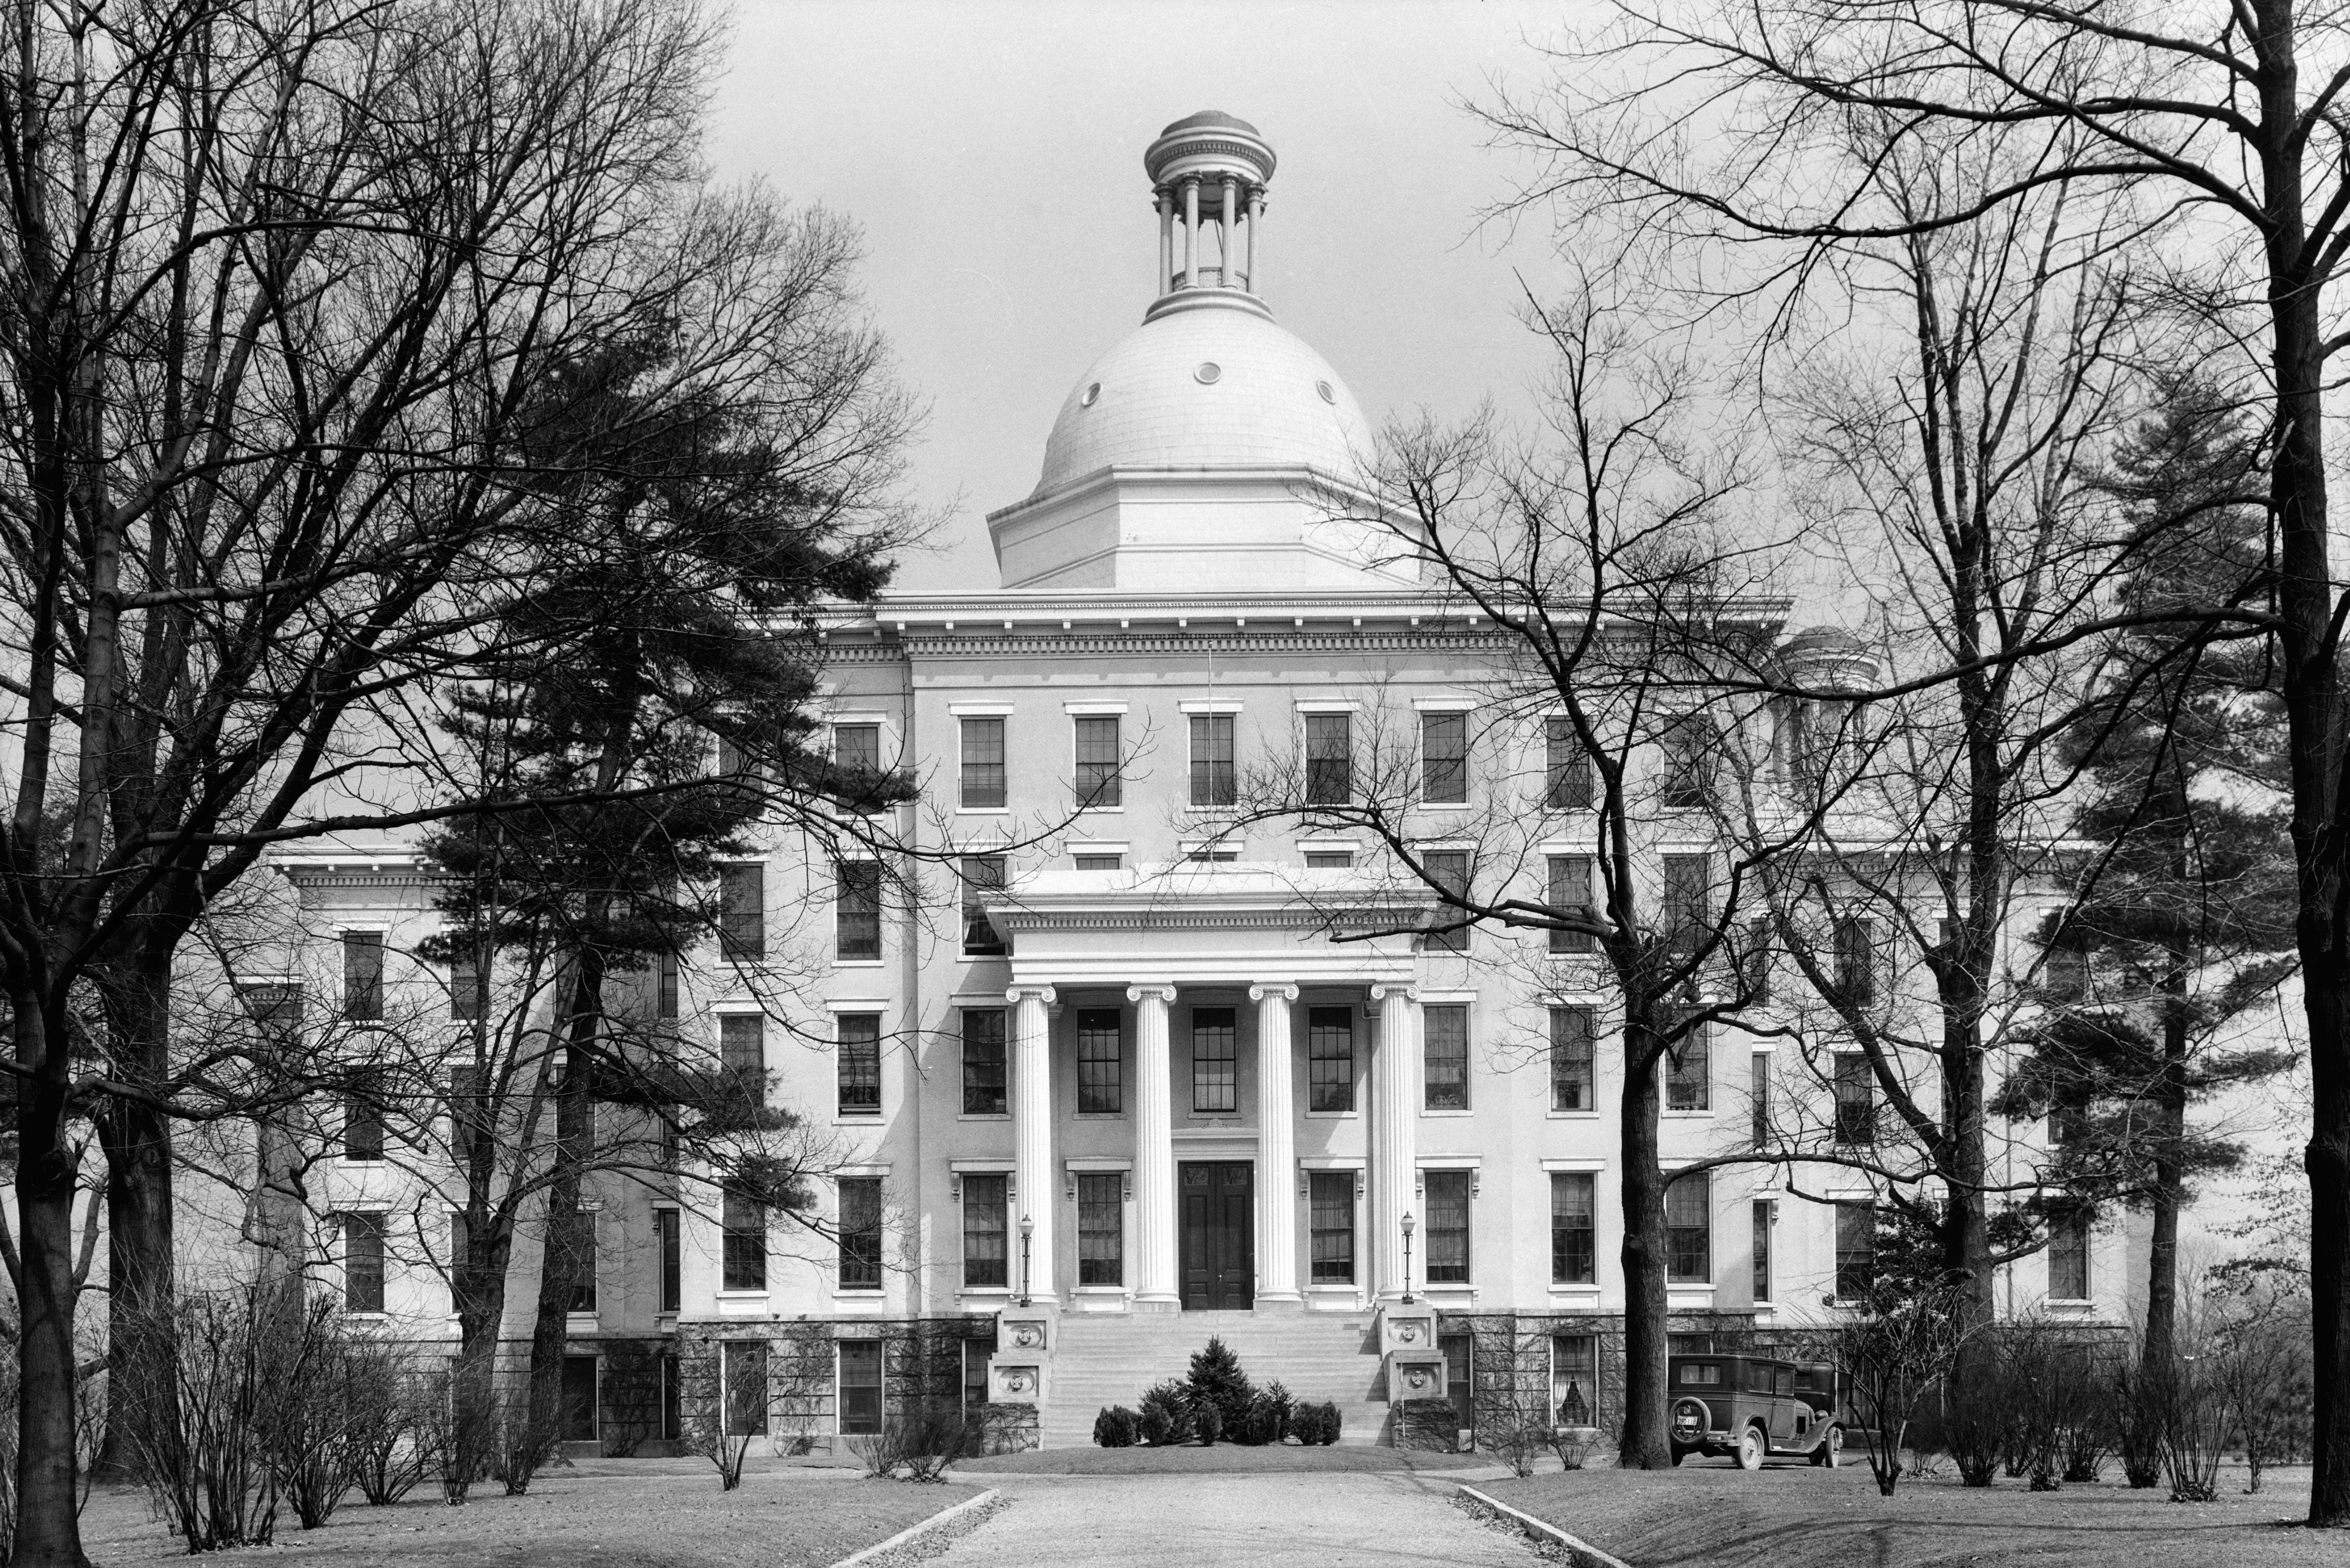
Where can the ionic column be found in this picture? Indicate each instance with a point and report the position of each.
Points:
(1166, 206)
(1255, 222)
(1031, 1135)
(1192, 232)
(1394, 1122)
(1276, 1161)
(1155, 1286)
(1228, 262)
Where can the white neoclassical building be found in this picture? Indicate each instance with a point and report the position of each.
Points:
(1123, 1089)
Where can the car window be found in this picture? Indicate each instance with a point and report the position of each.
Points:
(1758, 1377)
(1695, 1376)
(1786, 1380)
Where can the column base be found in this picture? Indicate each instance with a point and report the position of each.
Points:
(1156, 1304)
(1279, 1301)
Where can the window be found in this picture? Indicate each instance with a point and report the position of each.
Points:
(669, 1224)
(2067, 974)
(1688, 1229)
(1687, 779)
(1566, 767)
(1444, 1034)
(1762, 1249)
(1688, 901)
(858, 1042)
(1444, 758)
(859, 909)
(1574, 1379)
(743, 1369)
(983, 764)
(1097, 862)
(1098, 775)
(986, 1207)
(1574, 1227)
(665, 987)
(465, 987)
(1330, 1223)
(1856, 1244)
(742, 911)
(1571, 1031)
(1755, 974)
(977, 1352)
(981, 875)
(1758, 1096)
(983, 1062)
(672, 1400)
(2068, 1259)
(743, 1050)
(1447, 1197)
(1101, 1061)
(1330, 1058)
(1570, 894)
(362, 974)
(362, 1261)
(860, 1232)
(1215, 1059)
(1212, 780)
(1101, 1229)
(744, 1249)
(1329, 759)
(860, 1393)
(1689, 1066)
(1448, 871)
(1855, 1099)
(578, 1398)
(1855, 958)
(857, 751)
(582, 1289)
(363, 1127)
(1329, 861)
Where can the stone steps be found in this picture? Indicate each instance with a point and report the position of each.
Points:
(1110, 1360)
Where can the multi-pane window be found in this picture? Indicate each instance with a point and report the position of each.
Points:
(1754, 973)
(977, 1352)
(983, 764)
(1330, 1058)
(1215, 1059)
(1689, 1066)
(858, 1397)
(1689, 751)
(983, 1062)
(1096, 862)
(1447, 1197)
(1330, 1221)
(742, 1049)
(583, 1288)
(742, 1373)
(669, 1226)
(2068, 1259)
(362, 1127)
(362, 974)
(1566, 767)
(1212, 780)
(986, 1212)
(1855, 960)
(741, 910)
(1688, 900)
(1101, 1061)
(1329, 861)
(1571, 1031)
(857, 750)
(858, 1040)
(665, 998)
(1574, 1379)
(1444, 1076)
(981, 875)
(1758, 1098)
(1448, 871)
(1101, 1229)
(1444, 758)
(859, 912)
(1570, 895)
(1097, 769)
(1574, 1227)
(465, 987)
(1855, 1099)
(1762, 1250)
(860, 1232)
(1855, 1250)
(362, 1261)
(1329, 759)
(1688, 1229)
(743, 1246)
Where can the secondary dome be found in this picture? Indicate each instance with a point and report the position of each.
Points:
(1207, 388)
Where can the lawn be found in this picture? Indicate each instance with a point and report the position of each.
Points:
(1222, 1459)
(1713, 1515)
(611, 1514)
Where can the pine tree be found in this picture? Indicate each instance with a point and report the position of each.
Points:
(1216, 1379)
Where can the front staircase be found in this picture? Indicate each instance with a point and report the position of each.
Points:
(1111, 1359)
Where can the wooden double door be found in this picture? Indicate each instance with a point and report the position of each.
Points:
(1218, 1234)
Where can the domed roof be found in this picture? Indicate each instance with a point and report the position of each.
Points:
(1207, 117)
(1207, 388)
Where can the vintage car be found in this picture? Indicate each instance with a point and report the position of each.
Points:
(1752, 1407)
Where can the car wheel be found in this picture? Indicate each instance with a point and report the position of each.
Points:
(1750, 1448)
(1832, 1449)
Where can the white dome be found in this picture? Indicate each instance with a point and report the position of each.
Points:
(1214, 386)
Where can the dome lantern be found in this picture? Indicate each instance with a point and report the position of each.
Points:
(1214, 167)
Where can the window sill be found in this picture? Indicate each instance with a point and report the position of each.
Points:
(1576, 1295)
(857, 1119)
(1444, 805)
(1332, 1115)
(1571, 1116)
(982, 811)
(1101, 811)
(1691, 1116)
(1098, 1290)
(1098, 1115)
(859, 963)
(982, 1115)
(1687, 1288)
(990, 1295)
(860, 1296)
(2071, 1303)
(1452, 1112)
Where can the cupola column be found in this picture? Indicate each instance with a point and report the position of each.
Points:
(1192, 232)
(1255, 222)
(1166, 205)
(1228, 249)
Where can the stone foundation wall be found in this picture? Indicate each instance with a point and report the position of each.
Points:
(921, 1363)
(1510, 1355)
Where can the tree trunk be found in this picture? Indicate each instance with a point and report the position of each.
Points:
(140, 1353)
(478, 1286)
(569, 1251)
(1645, 1441)
(2170, 1182)
(48, 1518)
(2328, 1163)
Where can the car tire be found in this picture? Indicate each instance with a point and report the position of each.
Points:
(1680, 1454)
(1752, 1445)
(1829, 1455)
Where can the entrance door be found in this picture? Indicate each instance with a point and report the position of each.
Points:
(1218, 1235)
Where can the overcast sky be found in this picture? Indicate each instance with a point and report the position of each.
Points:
(992, 150)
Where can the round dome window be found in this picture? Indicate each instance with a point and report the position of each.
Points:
(1093, 394)
(1208, 374)
(1327, 395)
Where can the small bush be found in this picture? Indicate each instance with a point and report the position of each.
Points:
(1170, 1402)
(1278, 1398)
(1216, 1381)
(1975, 1437)
(1153, 1426)
(1326, 1422)
(1265, 1423)
(922, 1442)
(1115, 1428)
(1208, 1423)
(1574, 1445)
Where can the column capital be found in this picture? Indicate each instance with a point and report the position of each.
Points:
(1151, 990)
(1020, 994)
(1285, 989)
(1383, 989)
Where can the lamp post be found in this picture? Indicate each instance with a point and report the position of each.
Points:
(1406, 1257)
(1028, 1228)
